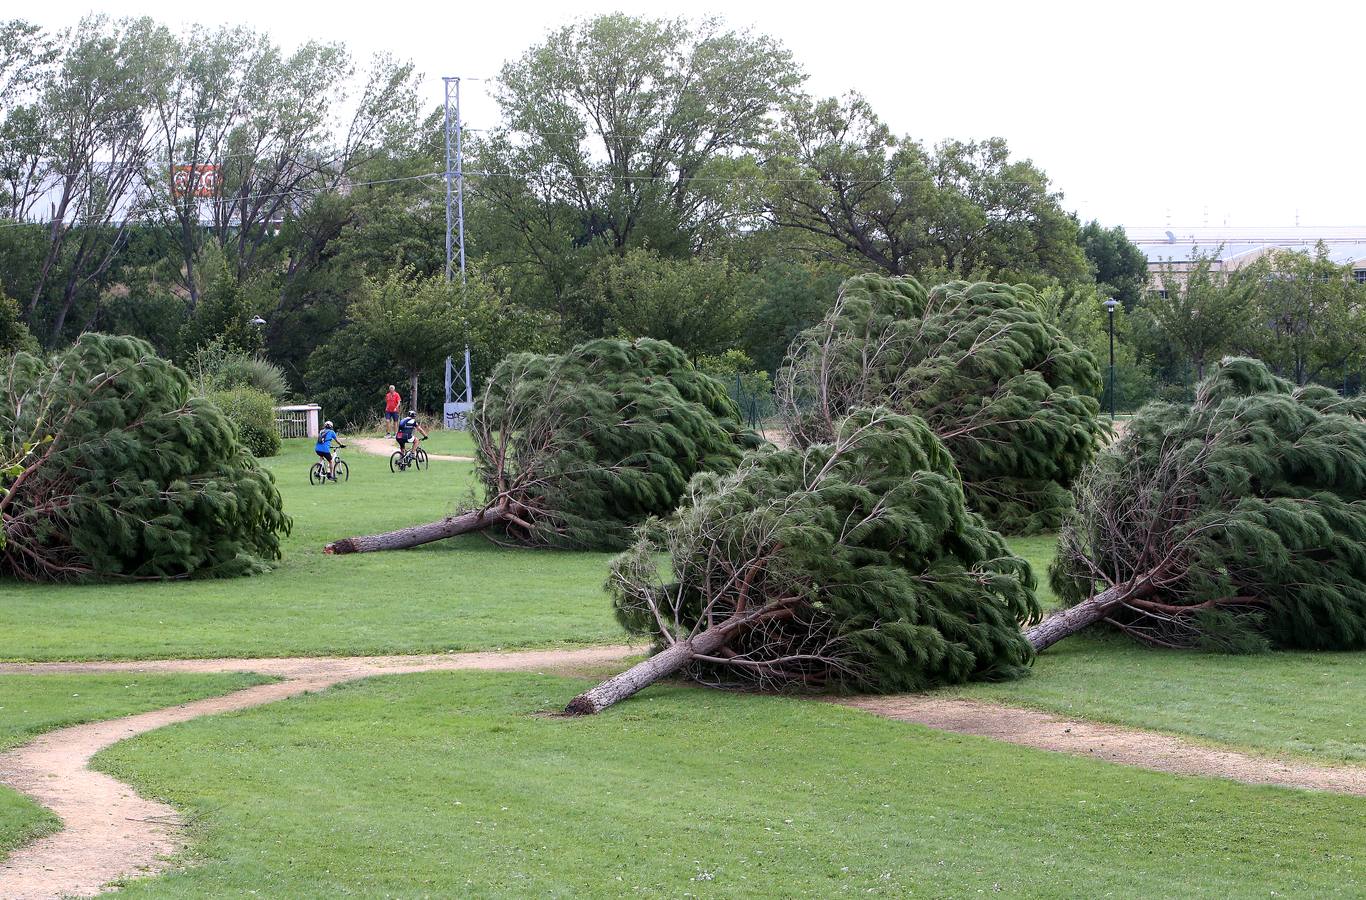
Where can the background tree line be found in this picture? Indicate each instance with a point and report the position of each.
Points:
(646, 177)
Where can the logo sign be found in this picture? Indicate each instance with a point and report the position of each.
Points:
(194, 181)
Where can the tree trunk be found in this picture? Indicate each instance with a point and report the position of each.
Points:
(1073, 619)
(645, 673)
(412, 398)
(403, 538)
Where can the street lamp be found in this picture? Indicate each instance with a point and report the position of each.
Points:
(1110, 305)
(257, 321)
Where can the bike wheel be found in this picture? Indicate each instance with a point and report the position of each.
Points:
(315, 474)
(343, 471)
(420, 459)
(396, 461)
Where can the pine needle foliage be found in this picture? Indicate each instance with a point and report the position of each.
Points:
(114, 469)
(1233, 523)
(1010, 395)
(579, 447)
(854, 563)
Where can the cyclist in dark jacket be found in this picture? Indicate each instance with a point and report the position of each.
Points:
(406, 426)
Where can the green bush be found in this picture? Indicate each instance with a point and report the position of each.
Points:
(219, 367)
(253, 413)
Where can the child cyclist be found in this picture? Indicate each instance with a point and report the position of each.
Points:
(406, 426)
(326, 438)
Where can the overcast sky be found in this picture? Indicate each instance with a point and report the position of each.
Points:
(1191, 113)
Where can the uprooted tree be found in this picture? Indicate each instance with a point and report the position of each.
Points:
(113, 469)
(1234, 523)
(576, 448)
(1009, 394)
(854, 563)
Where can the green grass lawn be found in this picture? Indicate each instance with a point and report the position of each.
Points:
(462, 594)
(32, 704)
(450, 785)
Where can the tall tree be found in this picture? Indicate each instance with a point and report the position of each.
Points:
(1117, 263)
(196, 109)
(698, 305)
(1201, 310)
(1313, 314)
(94, 138)
(622, 132)
(410, 319)
(837, 174)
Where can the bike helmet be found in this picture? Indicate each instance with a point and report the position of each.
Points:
(327, 424)
(413, 413)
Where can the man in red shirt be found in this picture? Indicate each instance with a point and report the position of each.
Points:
(391, 404)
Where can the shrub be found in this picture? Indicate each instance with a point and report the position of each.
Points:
(253, 414)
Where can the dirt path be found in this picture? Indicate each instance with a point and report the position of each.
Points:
(386, 446)
(1112, 743)
(109, 831)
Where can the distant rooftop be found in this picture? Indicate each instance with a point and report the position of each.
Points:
(1344, 244)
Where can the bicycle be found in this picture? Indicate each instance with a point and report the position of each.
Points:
(401, 460)
(319, 473)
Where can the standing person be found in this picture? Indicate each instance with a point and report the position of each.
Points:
(323, 448)
(405, 431)
(391, 403)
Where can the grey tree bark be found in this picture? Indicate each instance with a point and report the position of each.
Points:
(416, 535)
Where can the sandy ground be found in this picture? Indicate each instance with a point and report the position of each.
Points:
(111, 833)
(1125, 746)
(386, 446)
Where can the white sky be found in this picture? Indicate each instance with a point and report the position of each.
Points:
(1192, 113)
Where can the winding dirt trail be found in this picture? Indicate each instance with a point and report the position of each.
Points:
(386, 446)
(1126, 746)
(110, 832)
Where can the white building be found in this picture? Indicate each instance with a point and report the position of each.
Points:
(1172, 249)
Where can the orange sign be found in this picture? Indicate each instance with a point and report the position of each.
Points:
(194, 181)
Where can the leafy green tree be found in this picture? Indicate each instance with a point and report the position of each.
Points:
(415, 322)
(837, 174)
(698, 305)
(788, 298)
(1011, 397)
(1201, 310)
(576, 448)
(1313, 312)
(225, 314)
(411, 320)
(1233, 523)
(853, 562)
(1120, 268)
(622, 132)
(114, 469)
(14, 334)
(87, 144)
(1080, 314)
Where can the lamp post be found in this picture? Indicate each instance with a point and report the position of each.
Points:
(1110, 305)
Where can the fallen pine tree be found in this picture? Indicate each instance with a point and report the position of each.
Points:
(1008, 393)
(850, 563)
(1234, 523)
(576, 448)
(112, 469)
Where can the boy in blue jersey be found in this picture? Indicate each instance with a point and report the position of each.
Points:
(326, 438)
